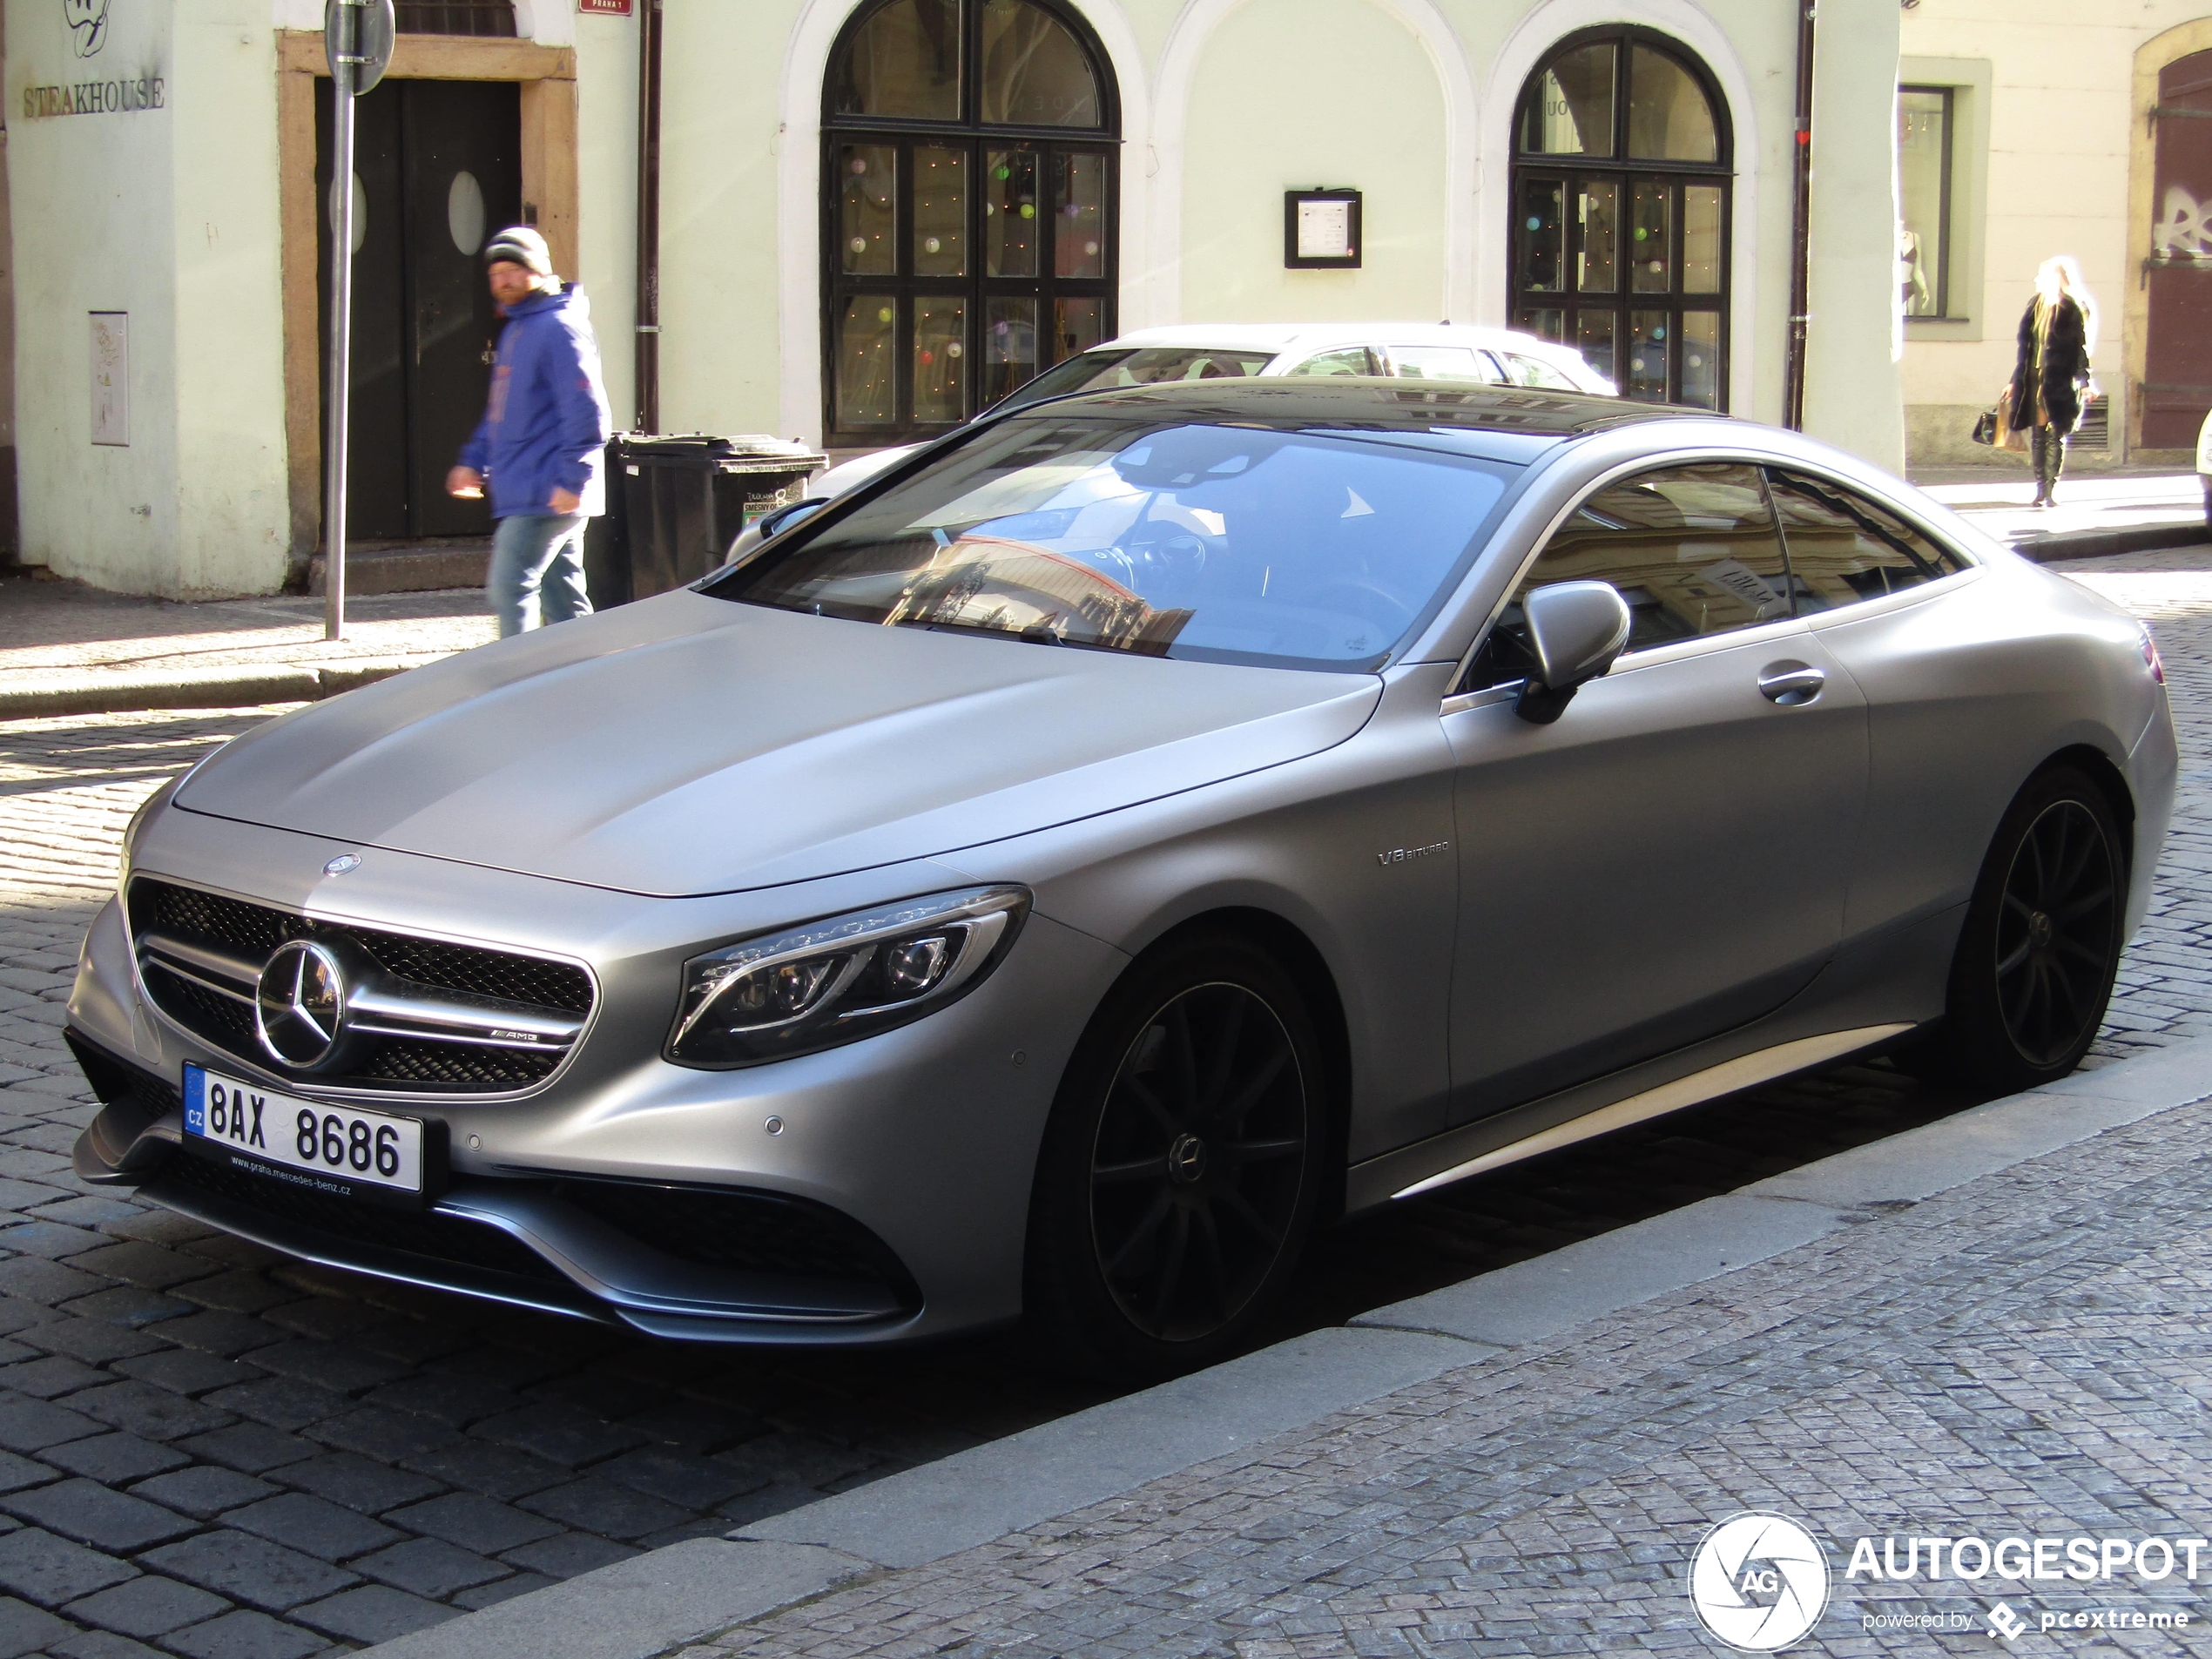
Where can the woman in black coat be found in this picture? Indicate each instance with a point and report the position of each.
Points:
(2051, 373)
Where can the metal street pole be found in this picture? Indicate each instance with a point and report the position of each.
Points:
(341, 42)
(357, 38)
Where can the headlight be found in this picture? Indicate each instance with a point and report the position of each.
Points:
(840, 978)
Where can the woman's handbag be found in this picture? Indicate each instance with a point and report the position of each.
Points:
(1986, 428)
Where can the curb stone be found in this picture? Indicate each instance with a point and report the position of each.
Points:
(642, 1607)
(661, 1601)
(98, 691)
(2047, 547)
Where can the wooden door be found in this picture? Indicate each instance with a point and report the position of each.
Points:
(2177, 387)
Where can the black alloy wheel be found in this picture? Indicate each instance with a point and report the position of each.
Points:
(1178, 1175)
(2039, 945)
(2057, 934)
(1198, 1164)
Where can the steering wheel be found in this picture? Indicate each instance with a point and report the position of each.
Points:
(1166, 557)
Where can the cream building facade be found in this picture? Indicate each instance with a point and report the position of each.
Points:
(2070, 129)
(168, 214)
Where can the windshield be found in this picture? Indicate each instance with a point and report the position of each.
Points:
(1225, 543)
(1096, 371)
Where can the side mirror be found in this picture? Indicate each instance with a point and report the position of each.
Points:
(1575, 629)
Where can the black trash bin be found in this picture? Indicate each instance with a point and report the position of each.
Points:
(606, 538)
(685, 499)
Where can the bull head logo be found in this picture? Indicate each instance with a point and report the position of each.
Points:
(87, 21)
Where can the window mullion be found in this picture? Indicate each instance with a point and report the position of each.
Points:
(972, 375)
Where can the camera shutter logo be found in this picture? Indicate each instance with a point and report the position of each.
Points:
(1759, 1582)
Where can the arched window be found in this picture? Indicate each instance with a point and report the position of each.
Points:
(1621, 200)
(969, 178)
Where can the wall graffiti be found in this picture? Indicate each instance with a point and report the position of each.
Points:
(87, 25)
(2184, 227)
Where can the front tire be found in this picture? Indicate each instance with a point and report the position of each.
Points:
(2041, 940)
(1178, 1180)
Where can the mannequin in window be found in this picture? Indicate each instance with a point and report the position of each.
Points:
(2051, 384)
(1912, 275)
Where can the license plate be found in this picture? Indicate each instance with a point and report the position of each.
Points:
(341, 1150)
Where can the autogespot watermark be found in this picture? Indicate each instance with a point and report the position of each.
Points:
(1760, 1581)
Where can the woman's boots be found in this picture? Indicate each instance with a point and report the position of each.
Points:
(2050, 459)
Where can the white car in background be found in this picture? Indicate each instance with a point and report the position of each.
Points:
(1423, 351)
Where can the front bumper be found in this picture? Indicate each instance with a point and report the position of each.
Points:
(890, 1201)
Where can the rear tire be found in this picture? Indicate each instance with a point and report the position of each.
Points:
(1178, 1180)
(2040, 944)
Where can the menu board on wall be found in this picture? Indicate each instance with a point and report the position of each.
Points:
(1321, 229)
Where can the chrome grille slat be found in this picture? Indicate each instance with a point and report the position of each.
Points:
(447, 1034)
(217, 970)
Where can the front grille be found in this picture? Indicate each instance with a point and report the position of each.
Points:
(249, 933)
(481, 972)
(249, 929)
(223, 1021)
(757, 1231)
(459, 1065)
(416, 1232)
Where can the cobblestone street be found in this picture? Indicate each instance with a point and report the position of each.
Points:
(212, 1450)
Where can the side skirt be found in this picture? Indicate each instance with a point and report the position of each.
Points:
(1745, 1071)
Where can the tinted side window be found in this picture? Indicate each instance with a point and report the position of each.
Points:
(1444, 363)
(1843, 549)
(1533, 371)
(1693, 550)
(1352, 361)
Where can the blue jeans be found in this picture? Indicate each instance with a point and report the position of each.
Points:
(537, 571)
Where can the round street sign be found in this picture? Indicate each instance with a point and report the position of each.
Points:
(372, 51)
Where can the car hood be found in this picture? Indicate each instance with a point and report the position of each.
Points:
(688, 745)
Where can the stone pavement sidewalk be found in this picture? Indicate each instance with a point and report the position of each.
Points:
(2097, 513)
(68, 649)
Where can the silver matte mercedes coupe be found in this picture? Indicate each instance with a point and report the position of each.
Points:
(1052, 880)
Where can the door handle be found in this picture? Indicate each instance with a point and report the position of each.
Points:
(1791, 683)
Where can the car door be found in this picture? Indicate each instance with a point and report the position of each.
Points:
(1934, 662)
(1669, 858)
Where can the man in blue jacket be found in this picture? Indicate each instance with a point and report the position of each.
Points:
(540, 443)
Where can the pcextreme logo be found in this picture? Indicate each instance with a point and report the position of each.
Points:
(1759, 1582)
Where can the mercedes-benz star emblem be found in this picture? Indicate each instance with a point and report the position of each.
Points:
(300, 1006)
